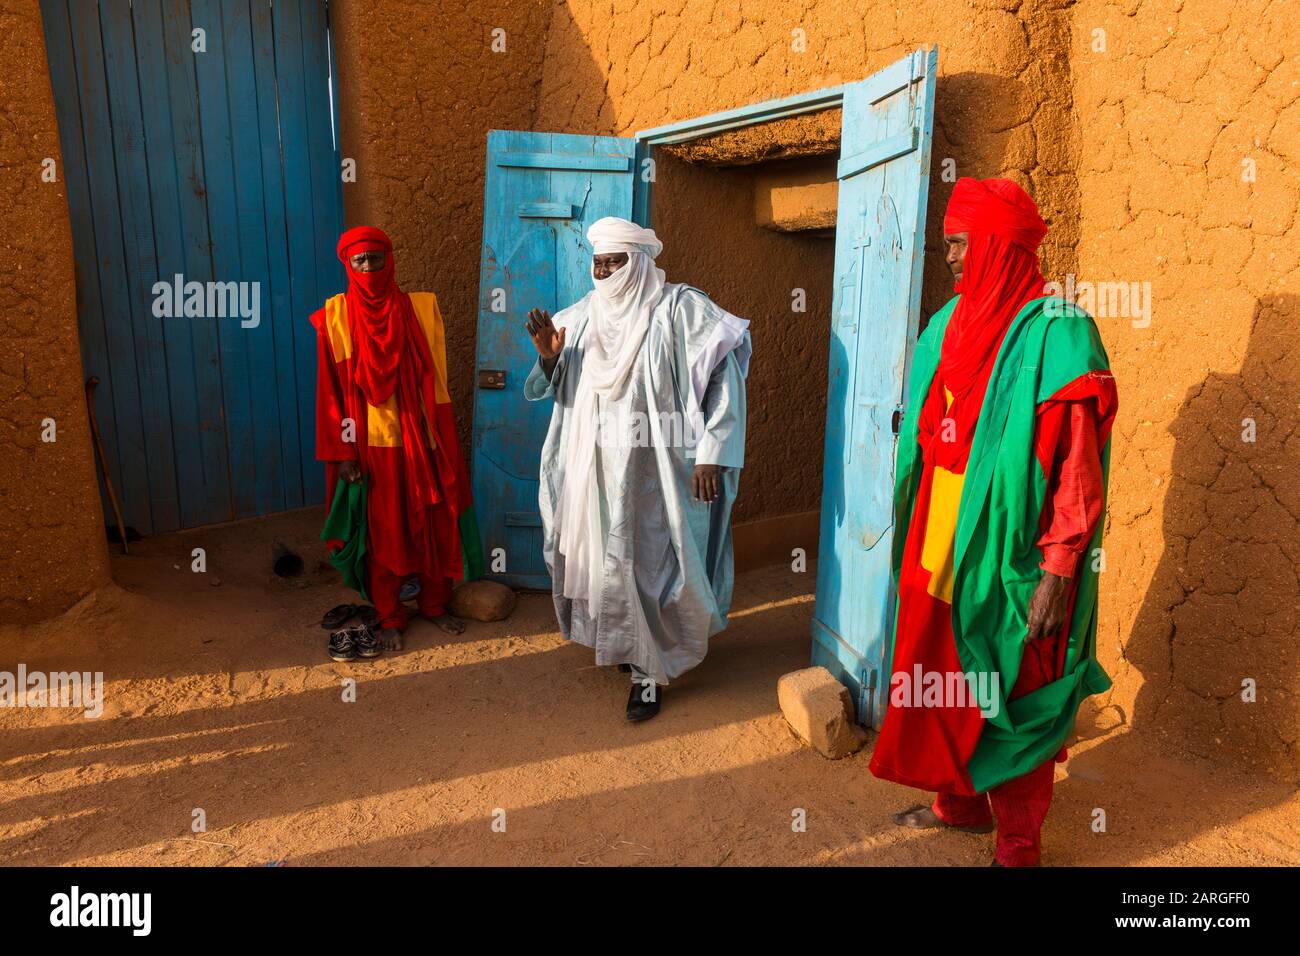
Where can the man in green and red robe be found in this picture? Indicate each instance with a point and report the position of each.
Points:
(384, 422)
(999, 503)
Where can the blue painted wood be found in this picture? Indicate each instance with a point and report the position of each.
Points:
(531, 160)
(547, 210)
(535, 263)
(300, 221)
(881, 152)
(211, 165)
(114, 306)
(136, 211)
(796, 105)
(880, 240)
(208, 494)
(284, 318)
(223, 225)
(180, 235)
(326, 188)
(253, 347)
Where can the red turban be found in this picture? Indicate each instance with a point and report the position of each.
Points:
(1000, 274)
(379, 314)
(997, 206)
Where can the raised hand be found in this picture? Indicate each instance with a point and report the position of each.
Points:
(547, 339)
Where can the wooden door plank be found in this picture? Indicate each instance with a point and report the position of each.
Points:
(283, 317)
(140, 256)
(120, 382)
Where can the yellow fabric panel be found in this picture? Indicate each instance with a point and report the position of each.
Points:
(937, 551)
(383, 426)
(336, 327)
(426, 310)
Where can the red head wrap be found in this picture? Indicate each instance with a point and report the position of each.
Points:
(378, 313)
(1000, 274)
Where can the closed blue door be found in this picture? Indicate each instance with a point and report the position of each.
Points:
(542, 191)
(198, 140)
(883, 176)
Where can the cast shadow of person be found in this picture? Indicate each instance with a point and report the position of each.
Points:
(1219, 618)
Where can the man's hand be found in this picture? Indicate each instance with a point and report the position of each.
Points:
(547, 339)
(350, 472)
(706, 483)
(1048, 606)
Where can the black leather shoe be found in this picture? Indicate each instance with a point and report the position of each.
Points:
(367, 645)
(342, 647)
(638, 706)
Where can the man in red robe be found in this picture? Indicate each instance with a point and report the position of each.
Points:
(383, 416)
(992, 230)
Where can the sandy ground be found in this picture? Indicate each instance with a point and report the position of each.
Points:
(219, 696)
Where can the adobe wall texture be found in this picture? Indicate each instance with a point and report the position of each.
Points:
(51, 521)
(1185, 105)
(419, 88)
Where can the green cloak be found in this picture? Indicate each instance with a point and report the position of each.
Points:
(346, 522)
(1049, 344)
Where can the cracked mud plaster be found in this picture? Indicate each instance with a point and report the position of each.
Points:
(50, 515)
(1203, 544)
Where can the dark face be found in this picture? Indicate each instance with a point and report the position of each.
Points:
(956, 256)
(368, 261)
(607, 263)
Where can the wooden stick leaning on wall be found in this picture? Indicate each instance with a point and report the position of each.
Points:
(91, 384)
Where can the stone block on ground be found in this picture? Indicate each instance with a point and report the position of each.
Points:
(819, 709)
(483, 601)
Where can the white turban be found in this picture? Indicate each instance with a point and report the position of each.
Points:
(613, 234)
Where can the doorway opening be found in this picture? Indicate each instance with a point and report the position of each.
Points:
(748, 216)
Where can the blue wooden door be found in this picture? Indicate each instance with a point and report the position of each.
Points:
(542, 191)
(198, 140)
(883, 175)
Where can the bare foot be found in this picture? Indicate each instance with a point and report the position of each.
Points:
(924, 818)
(391, 638)
(452, 625)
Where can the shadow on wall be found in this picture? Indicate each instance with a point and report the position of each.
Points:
(982, 125)
(1221, 608)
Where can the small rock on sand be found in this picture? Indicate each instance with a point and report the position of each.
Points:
(820, 710)
(483, 601)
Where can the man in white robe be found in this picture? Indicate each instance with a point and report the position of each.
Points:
(641, 463)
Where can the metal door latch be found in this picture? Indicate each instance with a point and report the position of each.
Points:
(491, 378)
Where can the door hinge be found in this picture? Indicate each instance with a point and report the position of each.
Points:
(896, 420)
(867, 699)
(491, 378)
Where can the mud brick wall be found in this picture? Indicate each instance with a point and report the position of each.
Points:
(1189, 178)
(51, 521)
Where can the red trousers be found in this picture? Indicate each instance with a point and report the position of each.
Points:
(384, 588)
(1020, 806)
